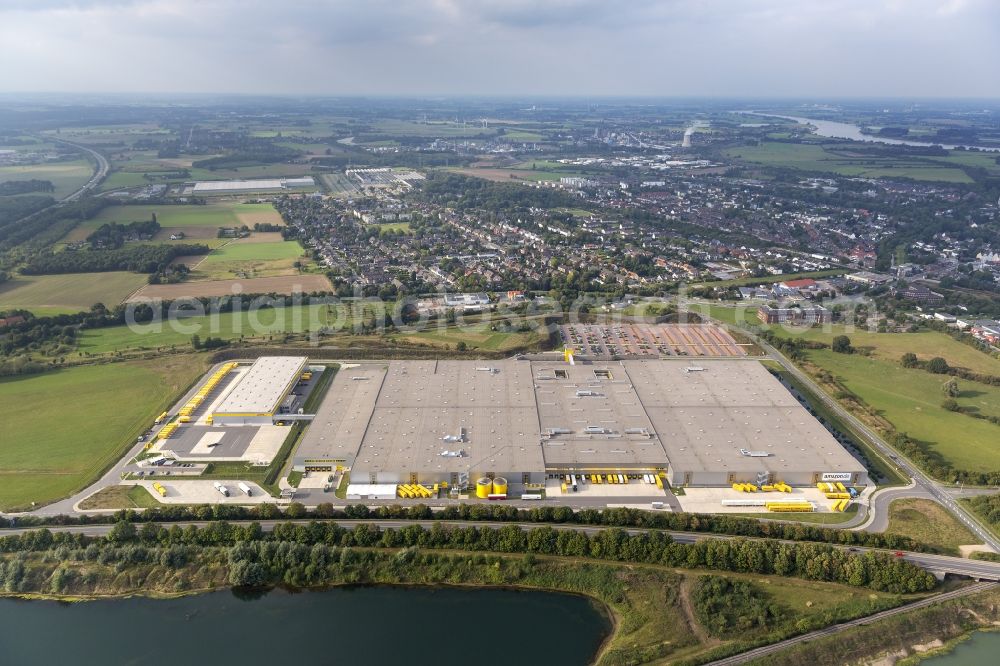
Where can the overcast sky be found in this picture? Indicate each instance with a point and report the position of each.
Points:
(800, 48)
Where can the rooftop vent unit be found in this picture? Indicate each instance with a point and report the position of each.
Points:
(584, 393)
(754, 454)
(595, 430)
(460, 453)
(358, 379)
(694, 368)
(492, 371)
(552, 432)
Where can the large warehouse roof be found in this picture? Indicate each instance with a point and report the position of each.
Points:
(251, 185)
(706, 417)
(262, 388)
(418, 415)
(520, 416)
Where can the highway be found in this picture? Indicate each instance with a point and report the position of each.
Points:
(756, 653)
(99, 174)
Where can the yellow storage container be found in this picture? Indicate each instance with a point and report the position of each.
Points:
(484, 487)
(499, 486)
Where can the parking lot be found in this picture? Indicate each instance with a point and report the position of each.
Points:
(196, 491)
(193, 442)
(649, 340)
(709, 500)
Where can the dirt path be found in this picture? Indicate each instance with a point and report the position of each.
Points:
(684, 595)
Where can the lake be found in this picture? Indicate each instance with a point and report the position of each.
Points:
(980, 650)
(361, 626)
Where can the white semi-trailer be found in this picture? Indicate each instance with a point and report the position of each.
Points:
(221, 488)
(247, 490)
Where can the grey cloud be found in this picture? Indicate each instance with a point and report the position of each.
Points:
(649, 47)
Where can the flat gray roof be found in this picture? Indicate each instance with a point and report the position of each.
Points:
(262, 388)
(397, 418)
(574, 401)
(525, 416)
(705, 417)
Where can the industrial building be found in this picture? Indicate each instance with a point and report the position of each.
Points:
(713, 424)
(260, 392)
(259, 185)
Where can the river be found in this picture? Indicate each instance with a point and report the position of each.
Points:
(980, 650)
(362, 626)
(835, 130)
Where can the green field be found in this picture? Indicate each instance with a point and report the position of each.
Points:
(251, 259)
(838, 158)
(739, 315)
(72, 292)
(199, 222)
(227, 214)
(394, 226)
(928, 522)
(275, 321)
(67, 177)
(882, 346)
(242, 251)
(63, 428)
(911, 401)
(120, 497)
(891, 346)
(226, 325)
(478, 336)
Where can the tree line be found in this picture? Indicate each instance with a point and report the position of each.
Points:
(493, 512)
(113, 235)
(256, 557)
(48, 224)
(136, 258)
(26, 186)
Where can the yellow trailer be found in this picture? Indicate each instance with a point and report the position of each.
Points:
(659, 482)
(159, 489)
(841, 487)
